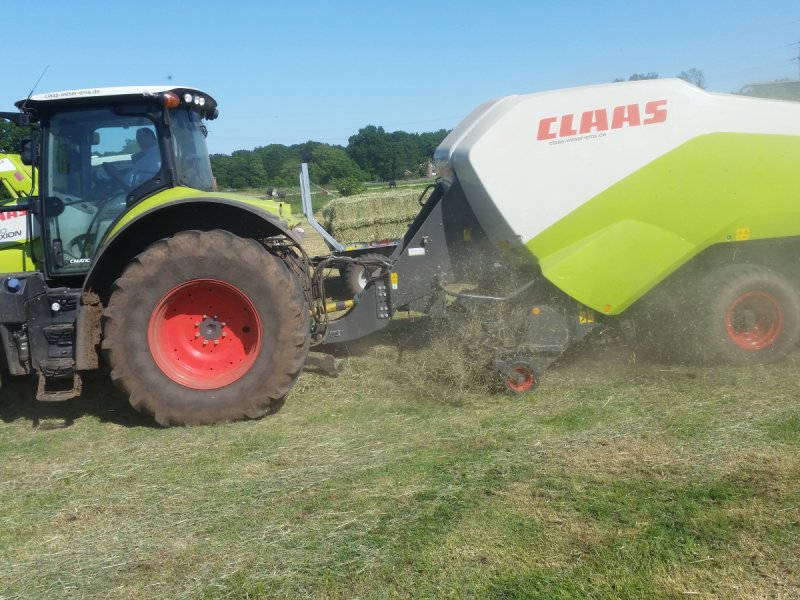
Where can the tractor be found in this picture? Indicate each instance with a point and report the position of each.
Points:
(125, 215)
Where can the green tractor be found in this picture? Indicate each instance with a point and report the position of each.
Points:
(16, 178)
(126, 256)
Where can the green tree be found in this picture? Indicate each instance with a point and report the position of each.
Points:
(404, 154)
(131, 146)
(332, 162)
(289, 172)
(371, 151)
(220, 166)
(348, 186)
(11, 135)
(639, 77)
(428, 142)
(392, 155)
(694, 76)
(239, 170)
(274, 158)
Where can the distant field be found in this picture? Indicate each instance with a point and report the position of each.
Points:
(405, 477)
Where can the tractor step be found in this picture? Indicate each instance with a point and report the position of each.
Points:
(58, 381)
(58, 389)
(59, 333)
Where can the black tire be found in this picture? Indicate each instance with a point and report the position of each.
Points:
(263, 327)
(356, 276)
(749, 315)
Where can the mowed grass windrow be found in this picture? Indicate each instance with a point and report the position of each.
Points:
(406, 476)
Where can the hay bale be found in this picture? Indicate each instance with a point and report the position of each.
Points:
(371, 216)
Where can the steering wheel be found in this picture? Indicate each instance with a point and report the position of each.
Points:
(81, 245)
(115, 174)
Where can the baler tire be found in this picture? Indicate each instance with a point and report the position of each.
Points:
(749, 315)
(354, 275)
(154, 327)
(530, 379)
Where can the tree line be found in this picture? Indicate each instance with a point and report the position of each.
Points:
(372, 154)
(693, 76)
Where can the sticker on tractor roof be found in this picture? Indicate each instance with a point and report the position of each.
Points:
(6, 165)
(70, 94)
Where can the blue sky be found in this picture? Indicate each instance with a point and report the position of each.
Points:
(320, 70)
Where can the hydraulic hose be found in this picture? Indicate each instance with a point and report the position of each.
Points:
(492, 298)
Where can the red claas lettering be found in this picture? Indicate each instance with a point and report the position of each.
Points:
(592, 121)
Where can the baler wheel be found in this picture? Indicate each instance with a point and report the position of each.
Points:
(750, 315)
(206, 327)
(525, 380)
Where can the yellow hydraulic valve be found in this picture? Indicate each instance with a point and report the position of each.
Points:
(337, 306)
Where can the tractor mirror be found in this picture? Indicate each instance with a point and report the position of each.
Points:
(53, 206)
(95, 138)
(28, 153)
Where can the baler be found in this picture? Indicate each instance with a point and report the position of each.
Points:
(653, 206)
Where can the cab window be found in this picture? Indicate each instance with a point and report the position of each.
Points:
(95, 157)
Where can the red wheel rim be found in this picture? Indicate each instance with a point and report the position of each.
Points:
(529, 380)
(204, 334)
(754, 321)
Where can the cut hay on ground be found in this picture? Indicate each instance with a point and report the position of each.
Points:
(618, 478)
(370, 216)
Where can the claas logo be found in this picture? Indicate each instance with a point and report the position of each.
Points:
(602, 119)
(12, 214)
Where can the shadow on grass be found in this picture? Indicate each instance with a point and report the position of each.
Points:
(99, 399)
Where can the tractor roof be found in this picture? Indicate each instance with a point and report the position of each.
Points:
(50, 100)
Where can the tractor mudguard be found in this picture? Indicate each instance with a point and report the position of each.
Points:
(143, 225)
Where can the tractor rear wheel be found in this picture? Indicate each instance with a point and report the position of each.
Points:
(206, 327)
(749, 315)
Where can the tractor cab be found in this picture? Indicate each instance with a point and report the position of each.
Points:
(102, 151)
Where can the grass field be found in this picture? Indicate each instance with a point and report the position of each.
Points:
(618, 478)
